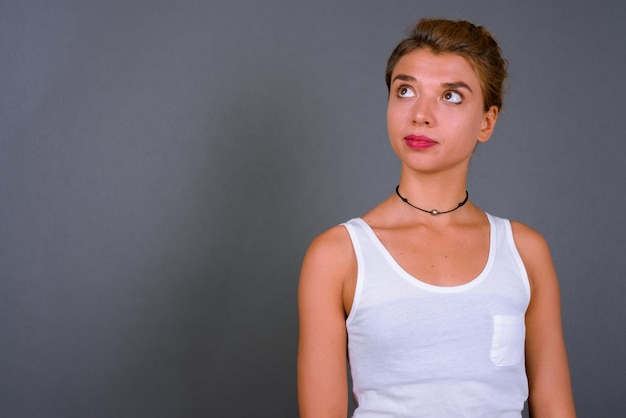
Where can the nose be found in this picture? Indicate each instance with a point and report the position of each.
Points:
(423, 113)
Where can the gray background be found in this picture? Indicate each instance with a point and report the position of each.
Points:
(164, 166)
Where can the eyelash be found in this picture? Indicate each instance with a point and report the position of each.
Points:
(461, 97)
(402, 87)
(447, 92)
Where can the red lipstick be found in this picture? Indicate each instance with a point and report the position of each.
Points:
(419, 142)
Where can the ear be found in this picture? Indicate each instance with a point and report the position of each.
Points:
(488, 124)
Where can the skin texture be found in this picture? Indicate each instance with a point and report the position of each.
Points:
(438, 97)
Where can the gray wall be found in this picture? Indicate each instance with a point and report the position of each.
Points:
(164, 166)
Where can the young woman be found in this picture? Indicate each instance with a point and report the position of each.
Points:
(442, 309)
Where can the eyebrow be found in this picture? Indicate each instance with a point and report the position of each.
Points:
(404, 77)
(457, 85)
(448, 85)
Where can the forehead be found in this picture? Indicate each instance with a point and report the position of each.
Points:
(424, 65)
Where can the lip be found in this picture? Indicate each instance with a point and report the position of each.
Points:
(419, 142)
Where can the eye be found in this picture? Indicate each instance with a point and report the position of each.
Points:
(405, 91)
(452, 97)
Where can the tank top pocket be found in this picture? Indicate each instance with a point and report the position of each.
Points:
(507, 345)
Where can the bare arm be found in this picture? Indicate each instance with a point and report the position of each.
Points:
(328, 266)
(550, 392)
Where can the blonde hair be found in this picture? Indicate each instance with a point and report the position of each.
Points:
(474, 43)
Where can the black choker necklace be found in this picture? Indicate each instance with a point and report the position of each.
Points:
(433, 212)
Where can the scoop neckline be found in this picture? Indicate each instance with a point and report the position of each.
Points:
(416, 281)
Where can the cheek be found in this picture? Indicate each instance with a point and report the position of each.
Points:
(470, 123)
(390, 121)
(394, 118)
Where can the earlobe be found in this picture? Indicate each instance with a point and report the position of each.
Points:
(489, 123)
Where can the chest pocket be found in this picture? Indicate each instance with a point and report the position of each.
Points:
(507, 345)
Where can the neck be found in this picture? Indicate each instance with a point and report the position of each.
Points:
(434, 211)
(441, 192)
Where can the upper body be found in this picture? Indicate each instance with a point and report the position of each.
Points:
(423, 350)
(440, 107)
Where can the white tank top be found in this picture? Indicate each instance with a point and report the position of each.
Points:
(418, 350)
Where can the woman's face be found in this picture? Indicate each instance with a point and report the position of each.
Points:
(435, 114)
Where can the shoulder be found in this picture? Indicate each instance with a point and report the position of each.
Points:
(329, 262)
(535, 253)
(529, 242)
(332, 246)
(527, 239)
